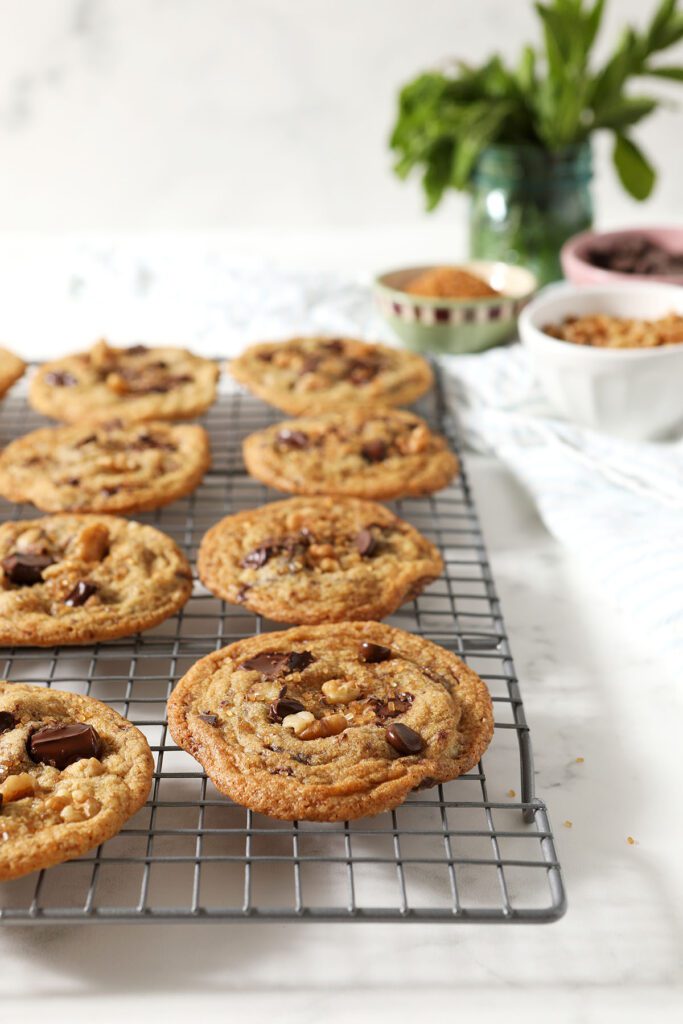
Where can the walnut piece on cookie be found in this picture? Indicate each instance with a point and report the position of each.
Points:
(261, 717)
(76, 579)
(105, 467)
(306, 374)
(134, 383)
(72, 771)
(376, 453)
(317, 559)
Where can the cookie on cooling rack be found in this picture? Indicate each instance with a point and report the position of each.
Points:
(305, 374)
(317, 560)
(328, 723)
(109, 467)
(76, 579)
(135, 383)
(72, 771)
(377, 453)
(11, 369)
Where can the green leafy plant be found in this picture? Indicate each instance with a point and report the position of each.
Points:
(552, 98)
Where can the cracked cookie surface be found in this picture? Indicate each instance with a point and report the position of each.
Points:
(134, 383)
(64, 792)
(111, 467)
(11, 369)
(76, 579)
(316, 373)
(380, 453)
(317, 560)
(332, 722)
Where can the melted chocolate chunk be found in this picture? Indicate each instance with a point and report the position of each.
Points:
(302, 758)
(334, 345)
(360, 372)
(259, 556)
(109, 491)
(60, 379)
(427, 783)
(74, 481)
(207, 717)
(310, 364)
(293, 438)
(137, 350)
(145, 441)
(281, 771)
(7, 721)
(276, 663)
(299, 660)
(86, 440)
(372, 653)
(403, 739)
(392, 707)
(80, 594)
(366, 543)
(282, 707)
(242, 593)
(26, 569)
(374, 451)
(62, 745)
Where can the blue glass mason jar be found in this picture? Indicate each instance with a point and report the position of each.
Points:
(526, 202)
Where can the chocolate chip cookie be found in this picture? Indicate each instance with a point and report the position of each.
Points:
(76, 579)
(136, 383)
(380, 453)
(108, 467)
(306, 374)
(72, 771)
(328, 723)
(11, 369)
(317, 560)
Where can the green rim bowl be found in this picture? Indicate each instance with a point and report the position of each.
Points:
(455, 325)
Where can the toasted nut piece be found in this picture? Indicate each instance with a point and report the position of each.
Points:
(332, 725)
(117, 383)
(57, 802)
(16, 787)
(416, 441)
(92, 543)
(298, 722)
(338, 692)
(91, 807)
(72, 813)
(101, 354)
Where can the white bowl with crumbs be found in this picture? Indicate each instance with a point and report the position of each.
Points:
(623, 371)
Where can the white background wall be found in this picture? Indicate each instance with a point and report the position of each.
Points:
(201, 114)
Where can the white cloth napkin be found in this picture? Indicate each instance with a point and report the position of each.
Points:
(617, 504)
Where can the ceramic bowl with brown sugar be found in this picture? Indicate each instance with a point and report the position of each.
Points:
(467, 323)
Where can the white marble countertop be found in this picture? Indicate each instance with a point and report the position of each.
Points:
(590, 689)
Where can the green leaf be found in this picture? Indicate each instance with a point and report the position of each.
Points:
(635, 172)
(624, 112)
(664, 27)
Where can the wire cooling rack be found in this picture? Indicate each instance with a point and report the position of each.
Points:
(477, 849)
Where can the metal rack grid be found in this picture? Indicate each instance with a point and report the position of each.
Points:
(476, 849)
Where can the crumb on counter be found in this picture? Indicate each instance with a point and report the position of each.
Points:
(580, 760)
(567, 823)
(450, 283)
(631, 841)
(511, 793)
(602, 331)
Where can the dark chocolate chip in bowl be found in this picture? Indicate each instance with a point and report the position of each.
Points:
(366, 543)
(403, 739)
(26, 569)
(374, 451)
(282, 707)
(293, 438)
(207, 717)
(60, 379)
(62, 745)
(7, 721)
(80, 594)
(373, 653)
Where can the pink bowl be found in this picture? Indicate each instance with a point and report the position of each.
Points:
(578, 270)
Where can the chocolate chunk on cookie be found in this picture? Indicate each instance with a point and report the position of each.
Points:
(319, 750)
(380, 453)
(72, 772)
(303, 375)
(110, 467)
(136, 383)
(317, 560)
(71, 579)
